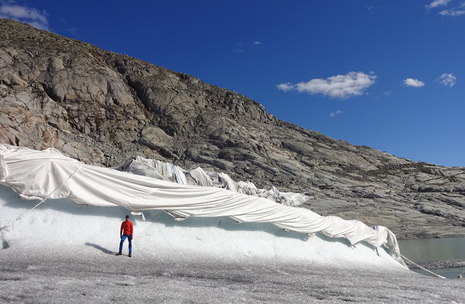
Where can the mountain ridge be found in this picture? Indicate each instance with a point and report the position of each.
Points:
(102, 108)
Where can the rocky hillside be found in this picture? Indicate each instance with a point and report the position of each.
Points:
(102, 108)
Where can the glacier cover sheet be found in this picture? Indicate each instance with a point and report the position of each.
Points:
(48, 174)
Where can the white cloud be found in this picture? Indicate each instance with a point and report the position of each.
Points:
(24, 14)
(286, 87)
(447, 79)
(340, 86)
(437, 3)
(334, 114)
(452, 12)
(241, 47)
(410, 82)
(372, 9)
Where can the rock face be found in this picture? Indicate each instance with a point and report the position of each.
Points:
(102, 108)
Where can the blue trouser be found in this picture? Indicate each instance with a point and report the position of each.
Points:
(123, 238)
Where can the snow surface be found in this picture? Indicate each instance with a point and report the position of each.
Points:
(65, 252)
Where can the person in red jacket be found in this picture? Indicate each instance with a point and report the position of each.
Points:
(126, 232)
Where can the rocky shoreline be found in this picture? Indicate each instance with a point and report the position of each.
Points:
(454, 263)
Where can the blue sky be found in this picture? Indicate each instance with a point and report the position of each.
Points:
(385, 74)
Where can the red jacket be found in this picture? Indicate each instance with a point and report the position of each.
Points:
(126, 228)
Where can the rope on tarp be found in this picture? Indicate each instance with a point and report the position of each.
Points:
(423, 268)
(40, 203)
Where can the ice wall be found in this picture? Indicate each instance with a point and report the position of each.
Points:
(62, 225)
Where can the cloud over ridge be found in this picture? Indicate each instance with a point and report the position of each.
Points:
(24, 14)
(339, 86)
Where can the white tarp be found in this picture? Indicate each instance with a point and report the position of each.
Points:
(49, 174)
(166, 171)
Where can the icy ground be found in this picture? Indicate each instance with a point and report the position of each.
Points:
(93, 275)
(62, 252)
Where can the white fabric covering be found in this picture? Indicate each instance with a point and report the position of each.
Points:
(49, 174)
(167, 171)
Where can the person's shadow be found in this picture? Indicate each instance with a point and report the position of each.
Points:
(104, 250)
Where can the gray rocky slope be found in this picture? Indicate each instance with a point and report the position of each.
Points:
(103, 108)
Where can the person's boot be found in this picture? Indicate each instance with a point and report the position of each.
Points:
(119, 253)
(129, 255)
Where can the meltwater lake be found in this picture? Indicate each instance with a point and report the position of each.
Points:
(432, 250)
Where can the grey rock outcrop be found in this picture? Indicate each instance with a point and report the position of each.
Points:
(102, 108)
